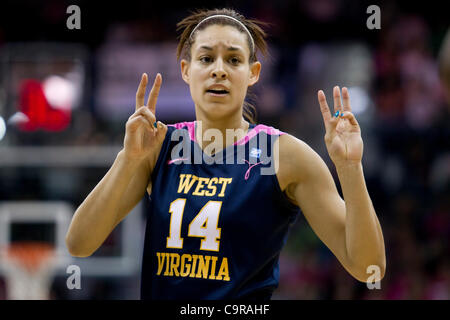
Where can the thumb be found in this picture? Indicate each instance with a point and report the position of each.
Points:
(162, 130)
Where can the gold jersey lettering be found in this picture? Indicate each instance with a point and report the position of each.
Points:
(212, 193)
(185, 267)
(192, 266)
(186, 183)
(212, 275)
(173, 264)
(203, 267)
(223, 271)
(204, 186)
(224, 182)
(194, 263)
(198, 190)
(161, 258)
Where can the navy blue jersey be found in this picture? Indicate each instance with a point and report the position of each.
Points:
(216, 224)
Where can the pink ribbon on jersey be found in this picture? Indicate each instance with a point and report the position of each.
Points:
(247, 173)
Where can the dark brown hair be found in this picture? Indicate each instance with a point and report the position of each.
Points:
(258, 35)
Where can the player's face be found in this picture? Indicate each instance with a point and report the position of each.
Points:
(219, 72)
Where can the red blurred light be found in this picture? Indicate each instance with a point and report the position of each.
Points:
(41, 115)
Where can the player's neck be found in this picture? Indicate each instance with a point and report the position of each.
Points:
(237, 125)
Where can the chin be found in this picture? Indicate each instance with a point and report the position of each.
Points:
(218, 110)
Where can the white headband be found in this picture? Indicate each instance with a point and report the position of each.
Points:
(225, 16)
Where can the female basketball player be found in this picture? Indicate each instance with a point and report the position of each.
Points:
(216, 226)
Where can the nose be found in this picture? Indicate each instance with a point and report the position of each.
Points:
(218, 70)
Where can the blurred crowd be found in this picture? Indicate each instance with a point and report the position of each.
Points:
(404, 116)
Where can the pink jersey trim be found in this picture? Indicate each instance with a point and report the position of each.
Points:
(177, 159)
(190, 126)
(252, 133)
(259, 128)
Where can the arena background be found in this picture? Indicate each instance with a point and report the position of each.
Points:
(89, 78)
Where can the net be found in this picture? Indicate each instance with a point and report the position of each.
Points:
(28, 268)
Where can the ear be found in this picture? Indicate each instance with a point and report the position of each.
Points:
(255, 70)
(185, 70)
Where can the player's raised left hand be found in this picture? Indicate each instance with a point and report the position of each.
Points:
(343, 134)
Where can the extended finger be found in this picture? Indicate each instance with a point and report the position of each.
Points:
(324, 107)
(337, 99)
(140, 93)
(153, 97)
(346, 99)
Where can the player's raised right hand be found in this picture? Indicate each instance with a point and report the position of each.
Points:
(141, 135)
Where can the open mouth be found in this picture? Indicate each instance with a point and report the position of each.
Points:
(218, 93)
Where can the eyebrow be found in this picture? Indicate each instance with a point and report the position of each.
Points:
(228, 49)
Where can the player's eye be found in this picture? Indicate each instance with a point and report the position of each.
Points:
(235, 60)
(205, 59)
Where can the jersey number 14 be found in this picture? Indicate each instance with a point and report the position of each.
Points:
(204, 225)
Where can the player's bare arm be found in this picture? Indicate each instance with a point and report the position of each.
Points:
(349, 227)
(125, 183)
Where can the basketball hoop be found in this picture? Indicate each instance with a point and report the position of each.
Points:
(28, 269)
